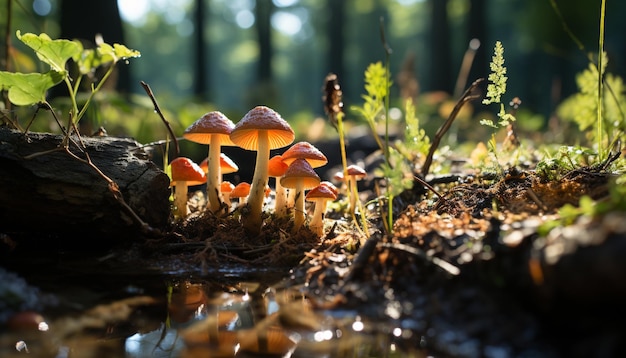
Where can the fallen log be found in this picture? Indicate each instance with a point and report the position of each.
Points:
(49, 192)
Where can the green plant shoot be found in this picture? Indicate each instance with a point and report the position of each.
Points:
(377, 84)
(497, 88)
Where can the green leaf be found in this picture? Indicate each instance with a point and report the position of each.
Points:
(116, 52)
(53, 52)
(26, 89)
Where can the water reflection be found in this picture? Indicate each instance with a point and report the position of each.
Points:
(249, 319)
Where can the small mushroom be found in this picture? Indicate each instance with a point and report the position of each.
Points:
(354, 173)
(277, 169)
(227, 166)
(225, 189)
(185, 173)
(320, 195)
(299, 176)
(261, 129)
(306, 151)
(241, 192)
(214, 129)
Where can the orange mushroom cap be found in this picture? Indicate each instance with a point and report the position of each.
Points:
(276, 166)
(184, 169)
(226, 187)
(226, 164)
(261, 118)
(300, 170)
(240, 190)
(356, 171)
(330, 186)
(321, 191)
(210, 124)
(307, 151)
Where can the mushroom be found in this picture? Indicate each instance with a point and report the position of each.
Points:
(261, 129)
(299, 176)
(213, 128)
(225, 189)
(320, 195)
(241, 192)
(185, 173)
(227, 165)
(307, 151)
(354, 173)
(277, 169)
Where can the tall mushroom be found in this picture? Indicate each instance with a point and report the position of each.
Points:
(320, 195)
(261, 129)
(185, 173)
(299, 176)
(213, 128)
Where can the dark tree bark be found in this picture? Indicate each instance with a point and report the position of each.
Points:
(477, 29)
(441, 78)
(83, 20)
(263, 14)
(336, 38)
(54, 194)
(201, 88)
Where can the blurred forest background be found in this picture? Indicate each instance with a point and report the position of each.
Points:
(200, 55)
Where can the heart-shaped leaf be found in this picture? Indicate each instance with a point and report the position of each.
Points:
(53, 52)
(26, 89)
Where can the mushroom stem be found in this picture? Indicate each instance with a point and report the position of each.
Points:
(281, 199)
(214, 174)
(298, 210)
(354, 193)
(317, 221)
(180, 198)
(253, 221)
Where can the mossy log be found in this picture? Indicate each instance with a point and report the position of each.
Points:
(48, 192)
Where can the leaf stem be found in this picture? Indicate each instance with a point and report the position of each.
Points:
(599, 129)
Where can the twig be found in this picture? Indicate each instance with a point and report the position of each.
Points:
(157, 109)
(467, 96)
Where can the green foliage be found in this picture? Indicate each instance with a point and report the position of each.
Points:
(377, 84)
(397, 172)
(30, 88)
(497, 88)
(25, 89)
(416, 142)
(581, 108)
(567, 158)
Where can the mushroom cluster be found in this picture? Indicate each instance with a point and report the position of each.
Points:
(261, 129)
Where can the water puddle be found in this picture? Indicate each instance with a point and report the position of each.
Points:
(86, 307)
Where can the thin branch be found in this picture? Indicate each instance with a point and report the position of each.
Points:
(467, 96)
(146, 87)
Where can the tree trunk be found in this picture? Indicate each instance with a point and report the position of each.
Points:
(56, 194)
(477, 29)
(441, 79)
(201, 88)
(84, 20)
(263, 12)
(336, 38)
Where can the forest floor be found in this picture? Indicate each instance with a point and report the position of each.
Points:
(471, 263)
